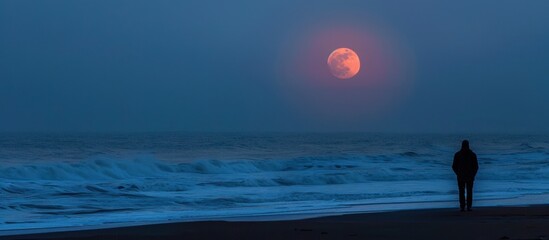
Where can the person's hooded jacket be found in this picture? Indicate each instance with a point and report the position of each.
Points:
(465, 163)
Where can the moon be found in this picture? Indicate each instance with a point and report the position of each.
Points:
(344, 63)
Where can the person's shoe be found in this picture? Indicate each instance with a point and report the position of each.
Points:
(469, 210)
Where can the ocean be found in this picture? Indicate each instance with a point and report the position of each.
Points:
(68, 180)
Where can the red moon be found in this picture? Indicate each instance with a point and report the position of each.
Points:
(344, 63)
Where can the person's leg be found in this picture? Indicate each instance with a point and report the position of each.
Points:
(469, 194)
(461, 187)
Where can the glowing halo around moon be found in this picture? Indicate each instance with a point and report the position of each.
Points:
(309, 84)
(344, 63)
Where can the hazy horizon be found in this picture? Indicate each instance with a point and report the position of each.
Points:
(265, 132)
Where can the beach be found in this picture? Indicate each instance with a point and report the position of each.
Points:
(80, 180)
(505, 222)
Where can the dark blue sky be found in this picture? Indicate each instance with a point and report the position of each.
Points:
(455, 66)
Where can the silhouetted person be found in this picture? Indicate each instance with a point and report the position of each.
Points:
(465, 166)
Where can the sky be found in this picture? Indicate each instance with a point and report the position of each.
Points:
(427, 66)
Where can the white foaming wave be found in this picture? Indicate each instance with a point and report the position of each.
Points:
(144, 175)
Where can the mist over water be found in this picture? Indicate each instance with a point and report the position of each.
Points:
(86, 179)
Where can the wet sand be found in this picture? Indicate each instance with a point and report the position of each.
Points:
(528, 222)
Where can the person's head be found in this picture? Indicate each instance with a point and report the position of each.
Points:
(465, 145)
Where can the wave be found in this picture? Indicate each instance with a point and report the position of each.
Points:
(120, 169)
(147, 173)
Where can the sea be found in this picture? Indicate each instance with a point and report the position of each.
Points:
(89, 179)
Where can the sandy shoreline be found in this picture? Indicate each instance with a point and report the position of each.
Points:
(528, 222)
